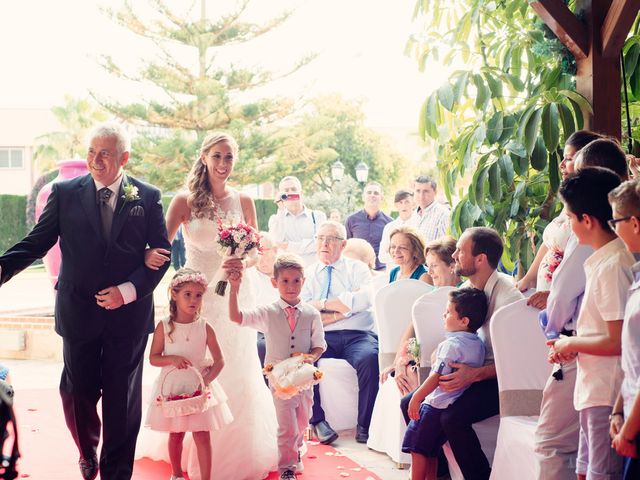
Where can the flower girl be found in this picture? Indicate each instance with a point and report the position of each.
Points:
(180, 403)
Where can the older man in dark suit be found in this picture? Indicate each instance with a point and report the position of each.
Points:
(104, 303)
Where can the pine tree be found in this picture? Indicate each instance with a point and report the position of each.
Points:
(190, 90)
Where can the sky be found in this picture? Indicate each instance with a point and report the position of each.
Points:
(51, 49)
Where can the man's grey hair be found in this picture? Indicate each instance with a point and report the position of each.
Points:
(290, 178)
(338, 227)
(427, 179)
(112, 130)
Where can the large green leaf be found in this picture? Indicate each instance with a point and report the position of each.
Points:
(516, 148)
(566, 118)
(577, 111)
(506, 169)
(531, 130)
(539, 155)
(550, 127)
(519, 192)
(631, 57)
(509, 128)
(495, 85)
(446, 97)
(554, 171)
(494, 127)
(495, 189)
(579, 99)
(482, 92)
(460, 86)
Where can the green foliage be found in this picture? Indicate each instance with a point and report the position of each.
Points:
(186, 99)
(333, 129)
(345, 196)
(13, 222)
(501, 122)
(264, 209)
(76, 117)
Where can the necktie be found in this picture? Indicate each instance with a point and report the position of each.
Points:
(291, 317)
(326, 289)
(106, 212)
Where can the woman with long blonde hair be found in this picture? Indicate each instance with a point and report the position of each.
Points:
(247, 448)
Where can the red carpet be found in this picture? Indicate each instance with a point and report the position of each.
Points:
(48, 452)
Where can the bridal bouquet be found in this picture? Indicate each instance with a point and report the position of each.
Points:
(236, 241)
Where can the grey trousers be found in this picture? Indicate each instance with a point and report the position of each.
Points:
(293, 419)
(558, 430)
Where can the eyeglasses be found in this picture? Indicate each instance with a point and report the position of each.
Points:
(328, 239)
(613, 221)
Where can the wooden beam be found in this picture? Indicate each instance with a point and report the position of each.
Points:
(569, 30)
(616, 25)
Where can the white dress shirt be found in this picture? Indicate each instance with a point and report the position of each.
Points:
(127, 289)
(298, 231)
(351, 284)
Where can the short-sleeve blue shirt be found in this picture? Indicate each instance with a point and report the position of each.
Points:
(458, 347)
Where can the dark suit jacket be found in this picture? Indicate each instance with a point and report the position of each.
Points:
(89, 263)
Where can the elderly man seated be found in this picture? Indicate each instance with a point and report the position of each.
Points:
(340, 288)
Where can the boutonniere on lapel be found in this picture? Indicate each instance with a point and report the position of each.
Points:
(130, 194)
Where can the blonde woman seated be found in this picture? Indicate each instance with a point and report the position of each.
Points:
(439, 259)
(406, 247)
(360, 249)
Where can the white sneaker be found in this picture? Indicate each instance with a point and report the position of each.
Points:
(173, 477)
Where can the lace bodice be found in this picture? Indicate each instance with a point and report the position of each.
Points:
(201, 235)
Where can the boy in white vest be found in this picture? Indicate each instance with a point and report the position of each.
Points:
(289, 327)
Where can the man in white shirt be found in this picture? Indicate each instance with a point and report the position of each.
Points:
(432, 216)
(340, 288)
(403, 202)
(294, 227)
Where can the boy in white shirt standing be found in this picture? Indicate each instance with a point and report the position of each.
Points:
(599, 326)
(289, 326)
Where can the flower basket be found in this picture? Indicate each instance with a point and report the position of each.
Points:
(184, 403)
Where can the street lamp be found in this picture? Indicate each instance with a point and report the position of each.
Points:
(337, 170)
(362, 172)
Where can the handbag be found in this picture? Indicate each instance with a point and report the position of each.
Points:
(185, 403)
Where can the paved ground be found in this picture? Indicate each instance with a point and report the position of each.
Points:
(30, 292)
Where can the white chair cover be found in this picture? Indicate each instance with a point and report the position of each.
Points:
(339, 393)
(387, 428)
(428, 322)
(393, 304)
(522, 368)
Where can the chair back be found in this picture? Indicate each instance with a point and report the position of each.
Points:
(427, 315)
(393, 310)
(520, 353)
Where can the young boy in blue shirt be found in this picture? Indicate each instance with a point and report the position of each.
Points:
(466, 312)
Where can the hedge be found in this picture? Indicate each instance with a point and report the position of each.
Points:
(13, 220)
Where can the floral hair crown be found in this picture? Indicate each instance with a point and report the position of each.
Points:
(189, 277)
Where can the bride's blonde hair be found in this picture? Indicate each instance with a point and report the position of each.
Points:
(200, 199)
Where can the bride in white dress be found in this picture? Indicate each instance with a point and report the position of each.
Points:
(246, 449)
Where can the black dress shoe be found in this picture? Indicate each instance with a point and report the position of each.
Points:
(88, 467)
(324, 433)
(362, 434)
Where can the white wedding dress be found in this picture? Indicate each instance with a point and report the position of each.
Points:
(247, 448)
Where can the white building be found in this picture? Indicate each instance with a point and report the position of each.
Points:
(19, 128)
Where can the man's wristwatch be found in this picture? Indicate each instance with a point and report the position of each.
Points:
(615, 414)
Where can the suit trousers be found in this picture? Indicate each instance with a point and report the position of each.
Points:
(293, 419)
(477, 403)
(360, 349)
(558, 429)
(110, 368)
